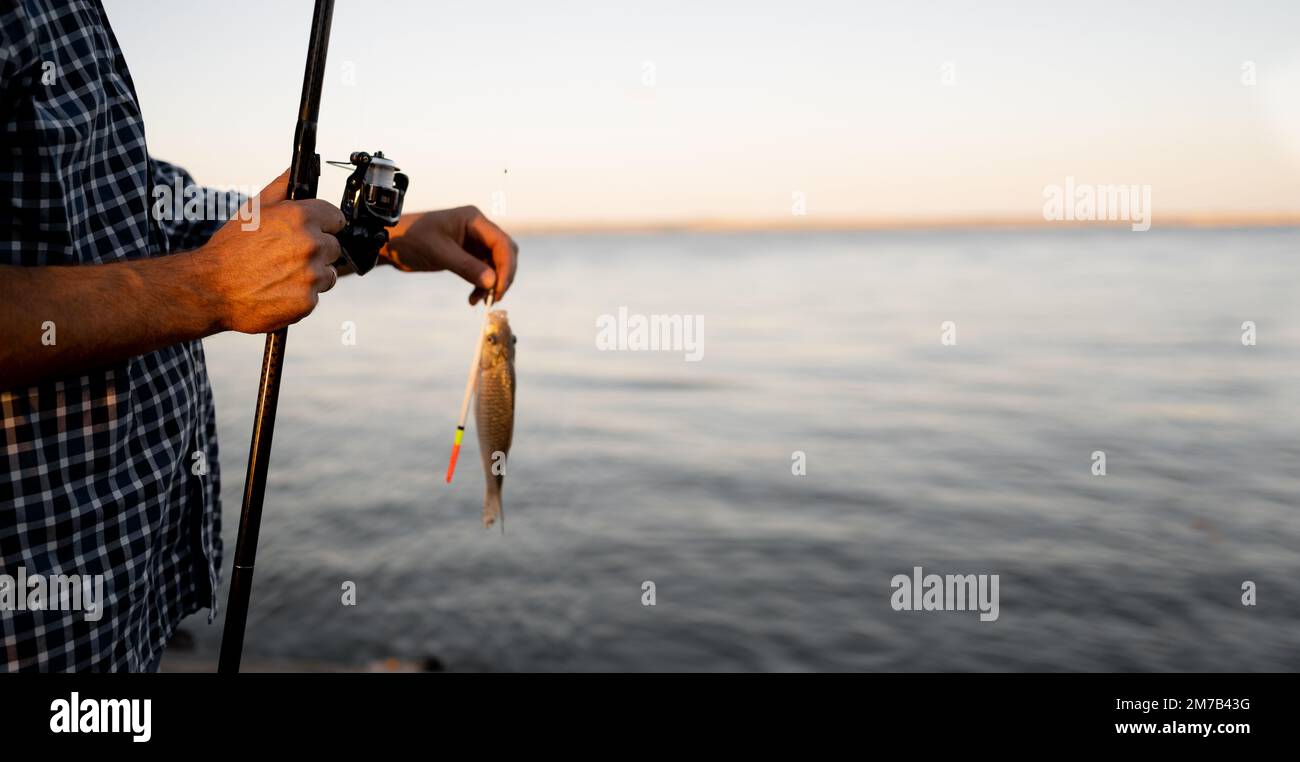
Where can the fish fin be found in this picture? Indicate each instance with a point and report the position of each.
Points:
(492, 509)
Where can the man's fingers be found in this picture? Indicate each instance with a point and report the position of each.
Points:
(276, 190)
(505, 254)
(328, 249)
(461, 262)
(328, 279)
(323, 214)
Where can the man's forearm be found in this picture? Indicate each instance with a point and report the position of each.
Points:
(59, 321)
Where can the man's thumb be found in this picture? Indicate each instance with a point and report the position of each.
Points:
(277, 190)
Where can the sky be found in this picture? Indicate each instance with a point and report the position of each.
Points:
(577, 113)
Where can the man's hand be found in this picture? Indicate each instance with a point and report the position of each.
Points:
(272, 276)
(253, 281)
(461, 240)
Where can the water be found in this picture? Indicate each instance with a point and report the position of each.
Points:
(626, 467)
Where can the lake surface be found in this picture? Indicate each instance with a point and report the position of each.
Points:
(974, 458)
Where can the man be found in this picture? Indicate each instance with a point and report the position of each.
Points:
(105, 406)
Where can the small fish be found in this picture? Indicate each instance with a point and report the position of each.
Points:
(494, 410)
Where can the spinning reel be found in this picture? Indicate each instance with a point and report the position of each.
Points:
(372, 203)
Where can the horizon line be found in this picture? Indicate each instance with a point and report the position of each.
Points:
(1212, 220)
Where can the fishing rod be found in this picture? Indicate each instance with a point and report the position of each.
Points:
(304, 172)
(372, 203)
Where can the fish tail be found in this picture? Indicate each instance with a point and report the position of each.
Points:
(492, 509)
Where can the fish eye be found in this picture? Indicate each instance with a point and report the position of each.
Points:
(492, 337)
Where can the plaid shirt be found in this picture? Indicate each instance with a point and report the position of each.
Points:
(102, 474)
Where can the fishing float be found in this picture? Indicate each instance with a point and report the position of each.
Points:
(470, 384)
